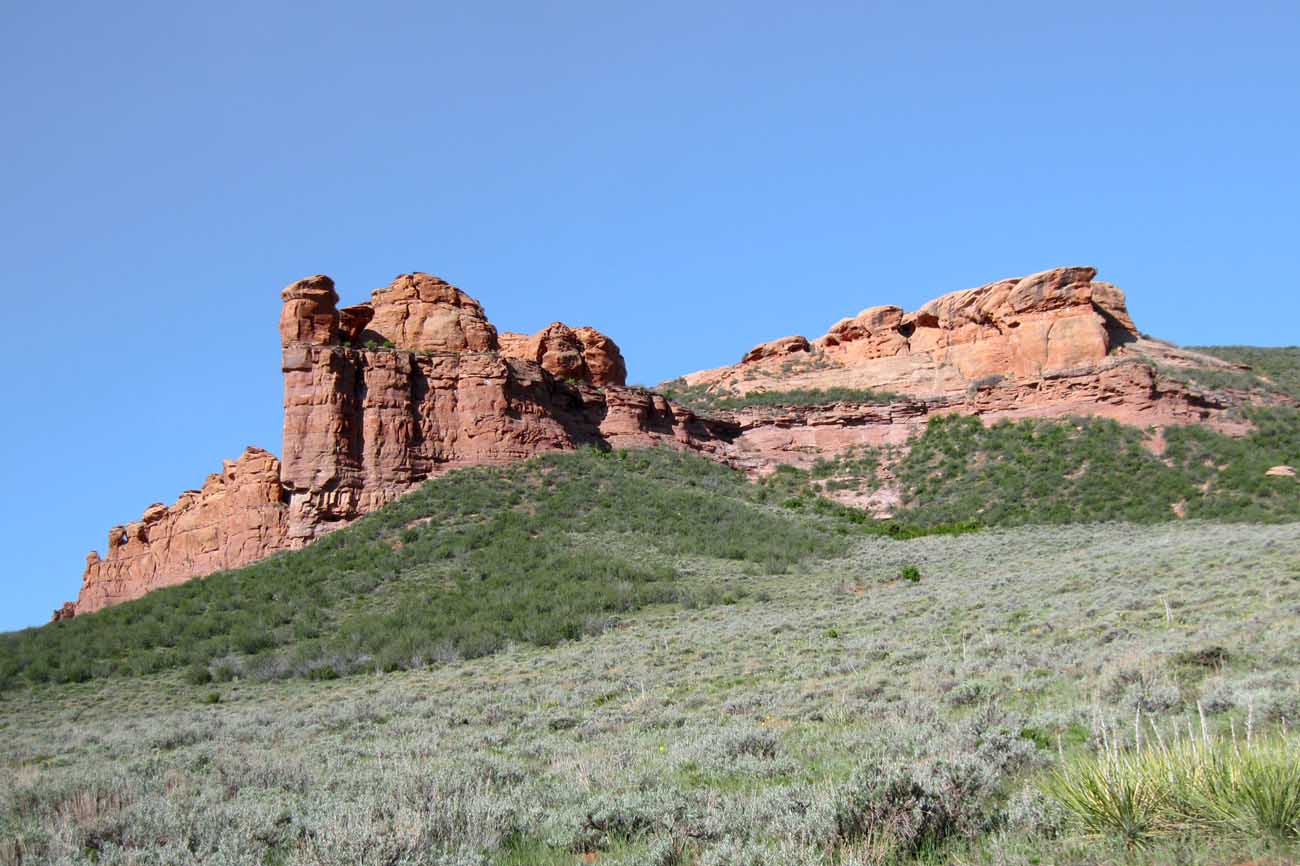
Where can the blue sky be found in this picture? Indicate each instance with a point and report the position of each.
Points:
(691, 178)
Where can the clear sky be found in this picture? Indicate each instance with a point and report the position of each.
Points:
(692, 178)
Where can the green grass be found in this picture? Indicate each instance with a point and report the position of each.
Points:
(922, 733)
(643, 658)
(1206, 785)
(1281, 366)
(539, 552)
(704, 400)
(1088, 470)
(565, 545)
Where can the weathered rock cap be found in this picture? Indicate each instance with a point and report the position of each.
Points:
(310, 313)
(583, 354)
(423, 313)
(776, 348)
(353, 321)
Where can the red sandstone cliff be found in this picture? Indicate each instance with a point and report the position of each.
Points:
(1052, 344)
(362, 426)
(237, 517)
(380, 396)
(1056, 343)
(1022, 329)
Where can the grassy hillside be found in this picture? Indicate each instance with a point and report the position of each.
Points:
(703, 400)
(562, 546)
(1279, 366)
(642, 658)
(837, 714)
(1084, 470)
(539, 552)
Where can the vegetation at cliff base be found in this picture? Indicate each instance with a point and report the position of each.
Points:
(537, 552)
(563, 546)
(703, 399)
(1280, 366)
(641, 657)
(1087, 470)
(834, 714)
(1082, 470)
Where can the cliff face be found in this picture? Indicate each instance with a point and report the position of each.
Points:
(1022, 329)
(379, 397)
(1056, 343)
(363, 426)
(237, 517)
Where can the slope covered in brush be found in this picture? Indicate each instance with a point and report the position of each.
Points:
(1273, 370)
(1088, 470)
(537, 552)
(1081, 470)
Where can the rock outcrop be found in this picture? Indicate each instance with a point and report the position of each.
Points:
(422, 313)
(777, 349)
(363, 426)
(1053, 323)
(1056, 343)
(238, 517)
(379, 397)
(382, 395)
(581, 354)
(1125, 391)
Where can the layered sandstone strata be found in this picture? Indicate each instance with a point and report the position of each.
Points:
(379, 397)
(1124, 391)
(238, 517)
(1023, 329)
(1053, 344)
(437, 389)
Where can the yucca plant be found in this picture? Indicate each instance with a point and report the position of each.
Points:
(1250, 790)
(1114, 796)
(1204, 784)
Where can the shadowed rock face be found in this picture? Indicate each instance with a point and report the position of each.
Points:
(378, 397)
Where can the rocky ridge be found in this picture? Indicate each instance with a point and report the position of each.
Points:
(1055, 343)
(382, 395)
(379, 397)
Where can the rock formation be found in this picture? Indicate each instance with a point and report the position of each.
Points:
(379, 397)
(1056, 343)
(584, 354)
(362, 426)
(237, 517)
(1021, 328)
(382, 395)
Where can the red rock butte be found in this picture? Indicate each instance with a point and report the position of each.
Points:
(383, 395)
(379, 397)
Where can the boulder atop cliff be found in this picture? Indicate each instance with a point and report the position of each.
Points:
(582, 354)
(777, 348)
(423, 313)
(310, 312)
